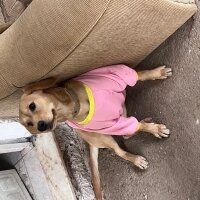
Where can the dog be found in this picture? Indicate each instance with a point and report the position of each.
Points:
(93, 104)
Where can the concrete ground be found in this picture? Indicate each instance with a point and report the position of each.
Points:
(174, 163)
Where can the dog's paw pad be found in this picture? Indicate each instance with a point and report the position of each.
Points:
(141, 162)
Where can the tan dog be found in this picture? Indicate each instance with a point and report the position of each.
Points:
(46, 102)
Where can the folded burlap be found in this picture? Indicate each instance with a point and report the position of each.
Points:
(66, 38)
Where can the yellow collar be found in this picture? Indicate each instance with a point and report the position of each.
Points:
(91, 106)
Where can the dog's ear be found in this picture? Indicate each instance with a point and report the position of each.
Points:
(60, 94)
(40, 85)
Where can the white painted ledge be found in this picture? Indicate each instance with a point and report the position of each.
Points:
(54, 167)
(8, 148)
(48, 154)
(12, 130)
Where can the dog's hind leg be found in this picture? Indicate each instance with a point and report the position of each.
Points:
(137, 160)
(95, 172)
(97, 140)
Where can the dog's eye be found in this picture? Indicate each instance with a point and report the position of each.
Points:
(32, 107)
(29, 124)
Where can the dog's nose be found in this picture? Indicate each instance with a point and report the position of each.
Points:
(42, 126)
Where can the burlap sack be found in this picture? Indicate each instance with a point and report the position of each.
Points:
(66, 38)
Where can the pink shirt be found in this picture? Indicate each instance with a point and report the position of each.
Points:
(107, 86)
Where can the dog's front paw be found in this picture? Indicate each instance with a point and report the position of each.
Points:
(141, 162)
(159, 130)
(162, 72)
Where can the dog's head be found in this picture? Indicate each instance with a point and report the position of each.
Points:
(37, 110)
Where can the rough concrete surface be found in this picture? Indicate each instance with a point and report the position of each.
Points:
(174, 163)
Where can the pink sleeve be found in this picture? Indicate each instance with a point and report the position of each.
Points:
(122, 74)
(124, 126)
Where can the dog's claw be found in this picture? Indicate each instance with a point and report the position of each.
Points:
(157, 135)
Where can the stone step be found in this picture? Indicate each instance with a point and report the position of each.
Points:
(11, 186)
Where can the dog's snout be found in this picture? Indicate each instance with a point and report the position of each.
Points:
(42, 126)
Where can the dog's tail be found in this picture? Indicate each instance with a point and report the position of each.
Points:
(95, 172)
